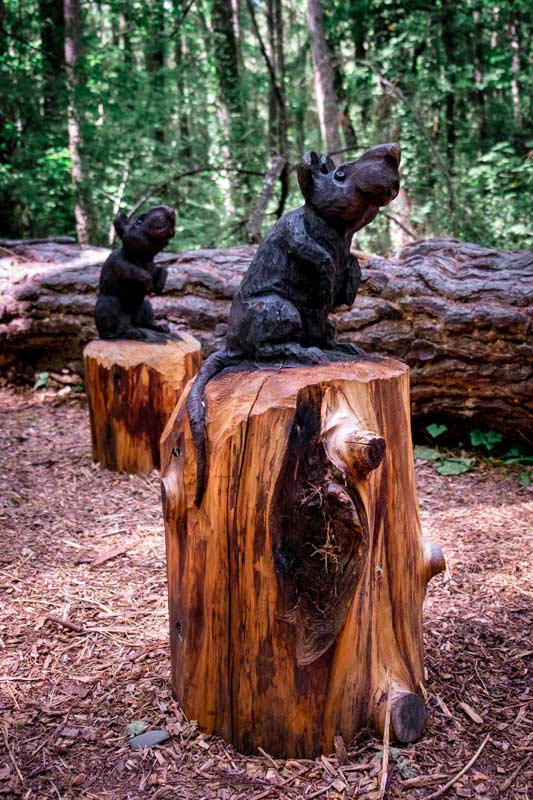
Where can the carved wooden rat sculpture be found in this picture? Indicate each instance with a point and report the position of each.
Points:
(129, 274)
(302, 270)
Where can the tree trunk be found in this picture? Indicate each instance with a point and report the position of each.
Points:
(326, 100)
(296, 590)
(52, 22)
(183, 106)
(132, 388)
(227, 62)
(449, 43)
(459, 314)
(154, 54)
(83, 211)
(278, 124)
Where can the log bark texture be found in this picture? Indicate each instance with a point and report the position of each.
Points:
(296, 589)
(132, 389)
(459, 314)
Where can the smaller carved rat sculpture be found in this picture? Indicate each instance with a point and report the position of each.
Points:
(129, 274)
(302, 270)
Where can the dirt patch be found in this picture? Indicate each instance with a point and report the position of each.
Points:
(85, 545)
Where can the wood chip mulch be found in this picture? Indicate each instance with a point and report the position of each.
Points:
(84, 649)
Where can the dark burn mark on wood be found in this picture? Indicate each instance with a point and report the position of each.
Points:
(265, 664)
(319, 532)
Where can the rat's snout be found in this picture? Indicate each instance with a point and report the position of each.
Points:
(394, 152)
(171, 214)
(389, 150)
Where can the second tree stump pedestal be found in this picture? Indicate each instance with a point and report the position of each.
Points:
(132, 389)
(296, 589)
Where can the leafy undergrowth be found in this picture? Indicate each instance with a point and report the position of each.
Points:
(487, 444)
(85, 545)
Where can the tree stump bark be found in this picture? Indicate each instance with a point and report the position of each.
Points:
(132, 389)
(296, 589)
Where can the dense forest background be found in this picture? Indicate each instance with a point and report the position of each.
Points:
(209, 104)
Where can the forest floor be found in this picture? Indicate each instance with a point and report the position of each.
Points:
(85, 545)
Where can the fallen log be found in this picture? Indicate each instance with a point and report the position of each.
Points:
(459, 314)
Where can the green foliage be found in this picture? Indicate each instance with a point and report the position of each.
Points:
(445, 465)
(42, 381)
(486, 439)
(427, 453)
(435, 430)
(524, 479)
(164, 118)
(455, 466)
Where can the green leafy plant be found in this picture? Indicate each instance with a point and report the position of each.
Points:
(42, 381)
(524, 479)
(445, 465)
(435, 430)
(427, 453)
(455, 466)
(487, 439)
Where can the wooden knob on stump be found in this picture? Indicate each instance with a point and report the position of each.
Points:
(132, 388)
(299, 581)
(434, 560)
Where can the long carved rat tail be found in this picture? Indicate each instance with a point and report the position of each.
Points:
(197, 411)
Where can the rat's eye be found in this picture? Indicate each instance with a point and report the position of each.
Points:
(339, 175)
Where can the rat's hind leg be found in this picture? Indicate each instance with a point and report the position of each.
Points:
(111, 321)
(269, 327)
(144, 318)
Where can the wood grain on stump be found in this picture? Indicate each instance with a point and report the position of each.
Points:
(296, 589)
(132, 388)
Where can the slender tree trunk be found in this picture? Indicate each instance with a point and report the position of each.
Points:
(278, 123)
(51, 17)
(183, 115)
(479, 93)
(515, 70)
(448, 41)
(350, 136)
(226, 58)
(326, 100)
(155, 64)
(83, 211)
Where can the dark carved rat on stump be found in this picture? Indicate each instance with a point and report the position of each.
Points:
(129, 274)
(302, 270)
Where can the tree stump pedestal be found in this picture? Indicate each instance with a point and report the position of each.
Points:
(132, 389)
(296, 589)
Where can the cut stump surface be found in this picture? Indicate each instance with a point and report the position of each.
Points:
(296, 589)
(132, 388)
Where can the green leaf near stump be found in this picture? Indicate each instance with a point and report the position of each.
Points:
(42, 381)
(455, 466)
(524, 479)
(427, 453)
(486, 439)
(435, 430)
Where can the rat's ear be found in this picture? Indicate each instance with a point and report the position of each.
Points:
(326, 164)
(307, 168)
(120, 222)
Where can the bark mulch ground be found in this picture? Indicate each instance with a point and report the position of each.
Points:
(84, 650)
